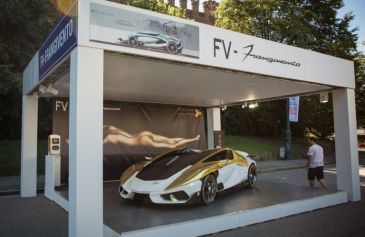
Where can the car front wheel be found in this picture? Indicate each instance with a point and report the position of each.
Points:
(251, 176)
(172, 48)
(209, 189)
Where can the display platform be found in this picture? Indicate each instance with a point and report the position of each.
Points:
(123, 216)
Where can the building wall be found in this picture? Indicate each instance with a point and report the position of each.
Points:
(207, 16)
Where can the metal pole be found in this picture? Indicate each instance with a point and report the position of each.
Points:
(288, 154)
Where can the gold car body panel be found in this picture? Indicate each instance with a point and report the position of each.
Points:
(201, 169)
(131, 171)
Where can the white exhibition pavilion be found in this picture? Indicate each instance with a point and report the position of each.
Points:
(91, 57)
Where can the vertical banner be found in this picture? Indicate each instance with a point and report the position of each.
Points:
(293, 108)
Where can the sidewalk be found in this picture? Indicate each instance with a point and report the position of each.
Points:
(11, 184)
(280, 165)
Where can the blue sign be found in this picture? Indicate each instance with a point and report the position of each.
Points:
(60, 42)
(293, 109)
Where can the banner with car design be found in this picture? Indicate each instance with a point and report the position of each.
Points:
(138, 30)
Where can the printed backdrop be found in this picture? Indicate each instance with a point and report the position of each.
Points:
(134, 130)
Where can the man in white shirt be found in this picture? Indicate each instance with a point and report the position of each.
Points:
(315, 163)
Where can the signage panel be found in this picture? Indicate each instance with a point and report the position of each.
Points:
(60, 42)
(141, 31)
(126, 29)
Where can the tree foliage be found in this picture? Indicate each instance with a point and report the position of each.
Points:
(23, 27)
(309, 24)
(360, 89)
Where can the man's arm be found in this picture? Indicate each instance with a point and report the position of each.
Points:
(309, 160)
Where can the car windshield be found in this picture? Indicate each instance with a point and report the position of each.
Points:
(146, 33)
(172, 163)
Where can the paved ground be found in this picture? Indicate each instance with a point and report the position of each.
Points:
(342, 220)
(31, 217)
(41, 217)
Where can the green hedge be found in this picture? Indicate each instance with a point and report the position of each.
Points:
(10, 157)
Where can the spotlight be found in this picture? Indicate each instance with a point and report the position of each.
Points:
(323, 97)
(49, 89)
(244, 105)
(253, 105)
(52, 90)
(42, 89)
(224, 108)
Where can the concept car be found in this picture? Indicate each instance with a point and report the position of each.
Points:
(184, 175)
(153, 41)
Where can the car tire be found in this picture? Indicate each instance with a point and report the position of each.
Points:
(251, 176)
(172, 48)
(209, 189)
(133, 41)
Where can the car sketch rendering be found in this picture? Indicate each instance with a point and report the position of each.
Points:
(183, 175)
(153, 41)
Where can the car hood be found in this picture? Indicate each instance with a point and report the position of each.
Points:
(149, 186)
(164, 168)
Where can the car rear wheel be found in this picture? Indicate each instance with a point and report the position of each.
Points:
(209, 189)
(133, 41)
(251, 176)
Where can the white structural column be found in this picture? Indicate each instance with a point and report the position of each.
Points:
(28, 170)
(86, 143)
(347, 158)
(213, 124)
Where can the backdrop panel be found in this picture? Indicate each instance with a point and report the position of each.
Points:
(135, 130)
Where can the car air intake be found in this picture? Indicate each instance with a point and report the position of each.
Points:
(176, 196)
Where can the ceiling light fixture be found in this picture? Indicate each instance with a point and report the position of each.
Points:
(52, 90)
(253, 105)
(48, 89)
(323, 97)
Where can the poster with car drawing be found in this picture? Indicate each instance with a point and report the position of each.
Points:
(137, 30)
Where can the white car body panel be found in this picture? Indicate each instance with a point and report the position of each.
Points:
(229, 175)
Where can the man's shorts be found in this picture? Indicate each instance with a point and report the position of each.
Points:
(316, 172)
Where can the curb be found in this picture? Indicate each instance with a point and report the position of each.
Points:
(16, 191)
(269, 170)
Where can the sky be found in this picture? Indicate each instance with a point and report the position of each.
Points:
(356, 6)
(358, 9)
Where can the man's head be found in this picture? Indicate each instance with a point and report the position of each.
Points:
(311, 140)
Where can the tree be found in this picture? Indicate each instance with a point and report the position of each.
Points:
(23, 27)
(309, 24)
(360, 89)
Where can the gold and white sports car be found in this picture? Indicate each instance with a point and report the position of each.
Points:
(183, 175)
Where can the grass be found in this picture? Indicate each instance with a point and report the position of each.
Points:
(253, 145)
(265, 146)
(10, 157)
